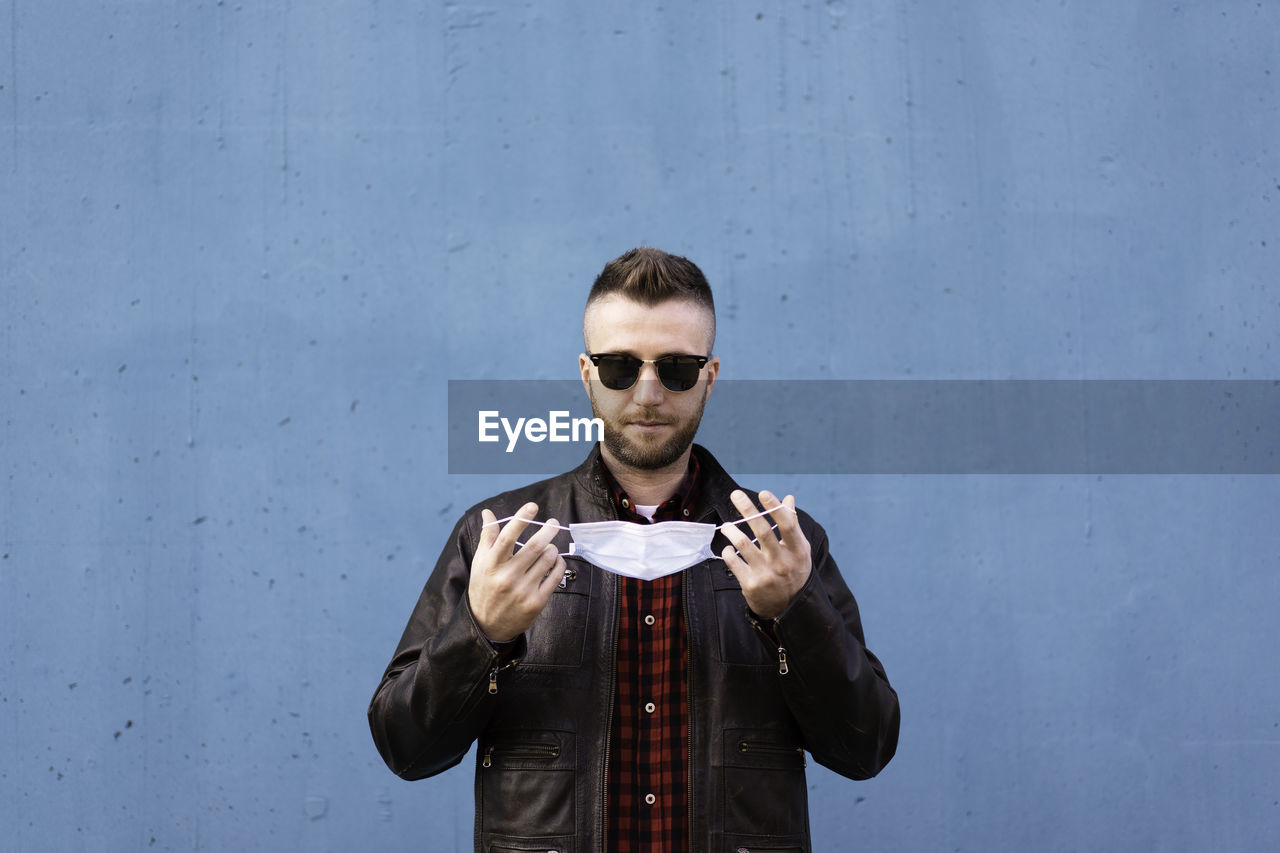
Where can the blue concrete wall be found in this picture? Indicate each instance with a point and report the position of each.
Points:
(243, 247)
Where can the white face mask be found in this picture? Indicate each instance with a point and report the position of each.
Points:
(644, 551)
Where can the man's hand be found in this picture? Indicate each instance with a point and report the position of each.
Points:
(773, 569)
(508, 587)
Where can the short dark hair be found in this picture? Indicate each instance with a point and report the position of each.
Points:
(650, 276)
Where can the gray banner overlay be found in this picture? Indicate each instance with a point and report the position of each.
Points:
(903, 426)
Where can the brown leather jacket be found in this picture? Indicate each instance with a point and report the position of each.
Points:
(542, 718)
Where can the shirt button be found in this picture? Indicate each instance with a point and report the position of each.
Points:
(649, 620)
(686, 512)
(626, 504)
(650, 799)
(650, 707)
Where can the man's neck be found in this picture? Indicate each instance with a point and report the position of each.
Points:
(647, 487)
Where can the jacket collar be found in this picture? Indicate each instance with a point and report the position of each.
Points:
(712, 492)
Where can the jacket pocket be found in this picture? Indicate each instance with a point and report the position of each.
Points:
(525, 787)
(764, 844)
(557, 636)
(765, 796)
(541, 844)
(520, 754)
(758, 753)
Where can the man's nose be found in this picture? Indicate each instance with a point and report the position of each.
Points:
(649, 390)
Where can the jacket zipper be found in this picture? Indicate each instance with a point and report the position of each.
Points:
(520, 750)
(747, 747)
(694, 842)
(612, 580)
(688, 764)
(493, 674)
(608, 720)
(783, 666)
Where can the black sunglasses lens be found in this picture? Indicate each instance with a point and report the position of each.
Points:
(679, 373)
(618, 372)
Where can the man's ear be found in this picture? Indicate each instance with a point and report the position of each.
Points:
(584, 367)
(713, 370)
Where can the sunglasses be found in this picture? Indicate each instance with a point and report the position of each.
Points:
(619, 372)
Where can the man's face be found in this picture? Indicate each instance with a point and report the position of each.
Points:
(648, 426)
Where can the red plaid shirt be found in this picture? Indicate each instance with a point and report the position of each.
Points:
(648, 796)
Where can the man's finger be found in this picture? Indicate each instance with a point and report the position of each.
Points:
(781, 514)
(540, 559)
(512, 529)
(488, 530)
(532, 549)
(788, 522)
(760, 527)
(741, 543)
(539, 547)
(548, 531)
(549, 581)
(734, 562)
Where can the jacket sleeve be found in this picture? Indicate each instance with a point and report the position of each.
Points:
(434, 699)
(836, 689)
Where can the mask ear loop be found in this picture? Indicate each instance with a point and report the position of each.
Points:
(569, 573)
(748, 518)
(520, 544)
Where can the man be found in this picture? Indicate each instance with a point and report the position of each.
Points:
(620, 714)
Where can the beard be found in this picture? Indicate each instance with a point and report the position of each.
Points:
(647, 456)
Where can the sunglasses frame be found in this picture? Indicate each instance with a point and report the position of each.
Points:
(657, 367)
